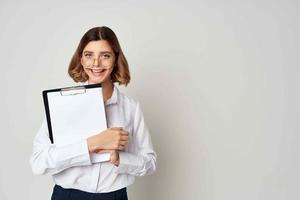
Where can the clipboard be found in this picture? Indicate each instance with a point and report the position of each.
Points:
(75, 113)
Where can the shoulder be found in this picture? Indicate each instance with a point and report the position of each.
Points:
(131, 107)
(127, 100)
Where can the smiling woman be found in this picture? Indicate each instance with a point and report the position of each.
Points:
(99, 59)
(99, 54)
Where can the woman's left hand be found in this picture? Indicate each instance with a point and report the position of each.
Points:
(114, 157)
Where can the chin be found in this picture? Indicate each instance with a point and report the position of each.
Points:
(94, 80)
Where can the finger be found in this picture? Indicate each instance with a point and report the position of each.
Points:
(117, 128)
(112, 159)
(123, 143)
(115, 162)
(124, 132)
(114, 156)
(124, 138)
(121, 147)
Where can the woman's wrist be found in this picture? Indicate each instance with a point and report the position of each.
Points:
(92, 146)
(114, 158)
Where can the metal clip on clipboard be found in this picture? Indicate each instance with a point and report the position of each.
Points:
(72, 90)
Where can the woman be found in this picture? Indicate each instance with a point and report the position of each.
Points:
(99, 59)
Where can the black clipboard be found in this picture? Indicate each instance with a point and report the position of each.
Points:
(74, 90)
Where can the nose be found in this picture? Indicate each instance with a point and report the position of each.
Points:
(96, 62)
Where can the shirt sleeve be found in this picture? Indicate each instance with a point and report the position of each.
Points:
(47, 158)
(143, 160)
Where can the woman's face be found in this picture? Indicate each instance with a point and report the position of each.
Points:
(98, 60)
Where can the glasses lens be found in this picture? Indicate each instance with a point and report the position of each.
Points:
(89, 61)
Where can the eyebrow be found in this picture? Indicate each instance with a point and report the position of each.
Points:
(102, 52)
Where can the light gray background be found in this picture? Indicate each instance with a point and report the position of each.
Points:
(218, 82)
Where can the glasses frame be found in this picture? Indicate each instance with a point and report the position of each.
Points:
(91, 61)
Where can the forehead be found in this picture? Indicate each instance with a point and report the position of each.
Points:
(98, 46)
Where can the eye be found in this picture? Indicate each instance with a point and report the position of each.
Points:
(106, 56)
(88, 55)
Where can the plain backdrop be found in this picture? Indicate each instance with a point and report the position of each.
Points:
(218, 83)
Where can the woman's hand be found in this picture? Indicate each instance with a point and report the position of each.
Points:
(110, 139)
(114, 156)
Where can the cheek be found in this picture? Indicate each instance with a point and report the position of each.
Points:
(108, 73)
(86, 71)
(111, 71)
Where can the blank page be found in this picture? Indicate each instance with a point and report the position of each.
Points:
(76, 117)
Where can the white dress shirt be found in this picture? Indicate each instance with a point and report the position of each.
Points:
(71, 167)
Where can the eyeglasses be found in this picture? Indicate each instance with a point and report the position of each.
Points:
(105, 58)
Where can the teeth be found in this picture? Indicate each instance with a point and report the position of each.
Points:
(98, 71)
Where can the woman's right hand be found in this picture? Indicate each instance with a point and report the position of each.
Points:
(110, 139)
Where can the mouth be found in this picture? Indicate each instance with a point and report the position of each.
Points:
(98, 72)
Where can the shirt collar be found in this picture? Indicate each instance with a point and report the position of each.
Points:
(114, 97)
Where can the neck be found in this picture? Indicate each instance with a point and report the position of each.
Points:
(107, 89)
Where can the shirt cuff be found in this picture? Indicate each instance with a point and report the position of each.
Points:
(76, 153)
(129, 163)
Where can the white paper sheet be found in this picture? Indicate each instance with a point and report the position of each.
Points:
(76, 117)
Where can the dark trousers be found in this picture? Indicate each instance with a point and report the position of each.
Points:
(60, 193)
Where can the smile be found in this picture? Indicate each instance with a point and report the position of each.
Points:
(98, 72)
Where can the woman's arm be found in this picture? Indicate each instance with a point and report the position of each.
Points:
(48, 158)
(143, 160)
